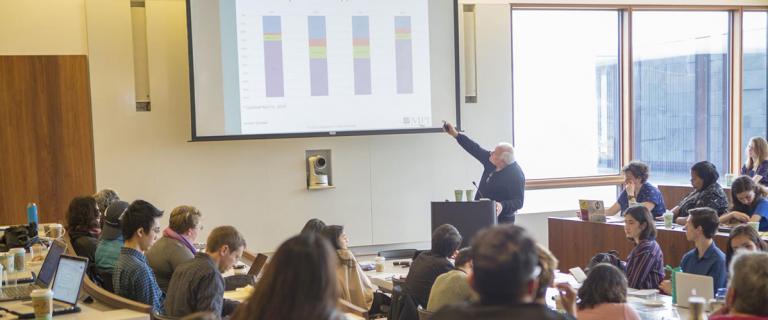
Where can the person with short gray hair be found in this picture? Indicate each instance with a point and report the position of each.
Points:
(104, 198)
(748, 288)
(502, 181)
(177, 244)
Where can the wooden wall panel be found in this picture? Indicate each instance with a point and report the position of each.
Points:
(46, 135)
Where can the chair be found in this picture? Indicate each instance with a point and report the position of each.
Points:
(423, 313)
(398, 254)
(154, 315)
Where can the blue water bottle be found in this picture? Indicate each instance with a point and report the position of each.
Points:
(32, 213)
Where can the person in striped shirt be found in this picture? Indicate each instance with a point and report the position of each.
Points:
(645, 264)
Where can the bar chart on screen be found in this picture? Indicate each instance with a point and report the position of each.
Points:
(321, 59)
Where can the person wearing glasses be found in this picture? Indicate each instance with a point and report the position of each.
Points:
(177, 244)
(133, 278)
(505, 275)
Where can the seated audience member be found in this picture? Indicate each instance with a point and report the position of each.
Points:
(354, 284)
(706, 258)
(749, 203)
(197, 285)
(638, 190)
(604, 295)
(111, 238)
(298, 283)
(83, 226)
(176, 245)
(452, 287)
(505, 275)
(645, 264)
(743, 237)
(707, 192)
(548, 264)
(313, 225)
(133, 278)
(104, 199)
(430, 264)
(756, 166)
(748, 288)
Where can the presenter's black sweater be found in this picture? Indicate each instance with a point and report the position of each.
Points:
(506, 186)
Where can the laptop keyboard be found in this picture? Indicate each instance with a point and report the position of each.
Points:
(18, 291)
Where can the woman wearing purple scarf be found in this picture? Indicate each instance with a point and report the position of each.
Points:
(176, 245)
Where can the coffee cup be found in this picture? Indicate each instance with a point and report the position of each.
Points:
(458, 194)
(18, 258)
(470, 194)
(380, 264)
(755, 225)
(668, 219)
(6, 259)
(42, 302)
(55, 230)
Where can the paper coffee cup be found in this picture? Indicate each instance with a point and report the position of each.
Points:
(458, 194)
(42, 302)
(755, 225)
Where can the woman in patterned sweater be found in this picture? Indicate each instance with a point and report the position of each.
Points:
(645, 264)
(707, 192)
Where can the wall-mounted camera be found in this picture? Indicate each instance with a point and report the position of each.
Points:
(319, 169)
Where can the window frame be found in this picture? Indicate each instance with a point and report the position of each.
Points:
(735, 78)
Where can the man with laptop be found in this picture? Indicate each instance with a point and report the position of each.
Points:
(197, 285)
(706, 259)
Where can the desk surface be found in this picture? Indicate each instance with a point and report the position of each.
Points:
(92, 311)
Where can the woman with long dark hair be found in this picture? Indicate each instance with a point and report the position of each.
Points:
(298, 283)
(83, 226)
(604, 295)
(645, 264)
(743, 237)
(749, 203)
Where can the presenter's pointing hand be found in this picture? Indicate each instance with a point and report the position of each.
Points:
(448, 127)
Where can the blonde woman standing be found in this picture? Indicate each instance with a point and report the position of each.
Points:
(757, 162)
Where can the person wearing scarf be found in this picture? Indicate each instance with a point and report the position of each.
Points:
(176, 246)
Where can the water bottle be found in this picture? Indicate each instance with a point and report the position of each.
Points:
(32, 213)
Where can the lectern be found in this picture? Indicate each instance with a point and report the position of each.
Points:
(468, 217)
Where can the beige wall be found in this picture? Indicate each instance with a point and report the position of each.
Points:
(42, 27)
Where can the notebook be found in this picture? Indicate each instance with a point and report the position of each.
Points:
(66, 289)
(47, 270)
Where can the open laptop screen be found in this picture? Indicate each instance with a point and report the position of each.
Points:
(48, 269)
(69, 277)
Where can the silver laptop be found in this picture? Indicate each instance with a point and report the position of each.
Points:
(66, 289)
(688, 283)
(43, 280)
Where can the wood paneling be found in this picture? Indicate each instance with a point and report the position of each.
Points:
(46, 135)
(575, 242)
(674, 194)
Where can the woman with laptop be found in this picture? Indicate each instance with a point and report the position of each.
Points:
(637, 190)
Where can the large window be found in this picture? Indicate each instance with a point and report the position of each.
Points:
(680, 91)
(566, 81)
(754, 120)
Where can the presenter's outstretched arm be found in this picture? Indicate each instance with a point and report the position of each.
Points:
(470, 146)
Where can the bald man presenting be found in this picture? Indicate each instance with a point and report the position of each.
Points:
(503, 181)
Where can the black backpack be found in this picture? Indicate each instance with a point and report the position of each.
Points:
(610, 257)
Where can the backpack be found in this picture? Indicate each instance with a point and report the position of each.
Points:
(611, 257)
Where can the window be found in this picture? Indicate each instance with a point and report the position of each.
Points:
(566, 96)
(754, 120)
(566, 199)
(680, 91)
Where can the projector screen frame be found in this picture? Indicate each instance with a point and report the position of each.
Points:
(196, 138)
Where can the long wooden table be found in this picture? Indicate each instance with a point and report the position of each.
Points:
(574, 242)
